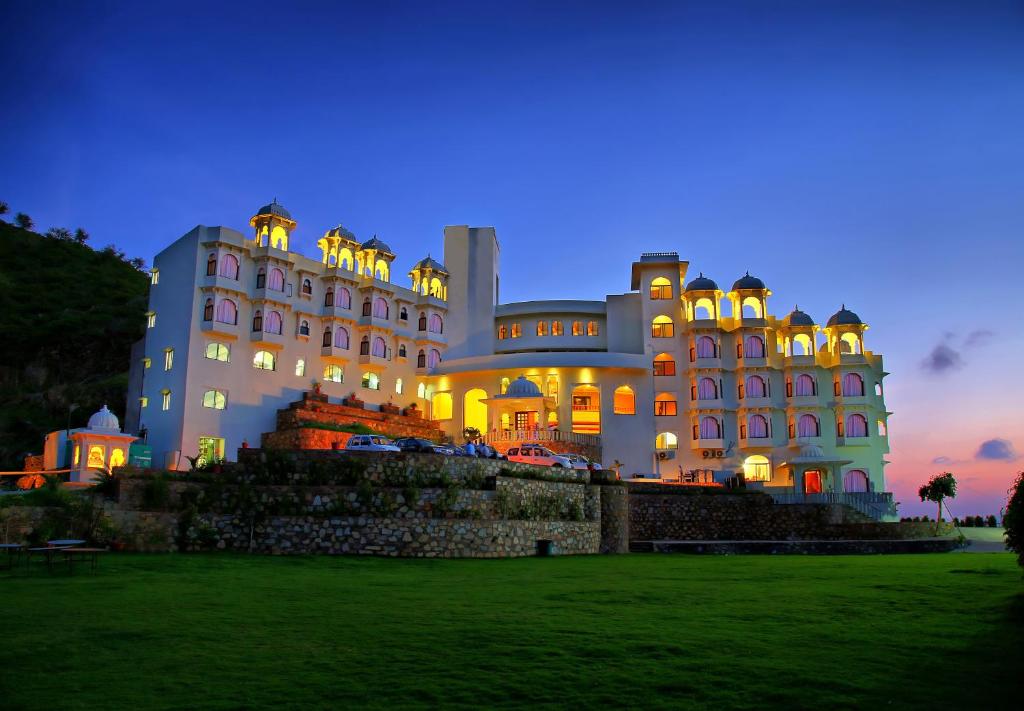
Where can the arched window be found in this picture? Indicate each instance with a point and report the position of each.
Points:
(855, 481)
(208, 310)
(878, 389)
(334, 374)
(211, 265)
(227, 312)
(436, 324)
(329, 297)
(403, 315)
(261, 278)
(704, 309)
(753, 347)
(756, 386)
(503, 386)
(345, 259)
(757, 427)
(661, 288)
(441, 406)
(307, 287)
(401, 351)
(664, 364)
(421, 391)
(856, 426)
(577, 328)
(364, 346)
(229, 266)
(662, 327)
(276, 280)
(379, 347)
(421, 323)
(517, 330)
(366, 307)
(257, 321)
(264, 360)
(593, 329)
(808, 426)
(421, 359)
(706, 347)
(707, 389)
(327, 337)
(218, 351)
(502, 332)
(341, 338)
(273, 322)
(804, 386)
(801, 345)
(849, 343)
(666, 440)
(435, 358)
(882, 429)
(624, 401)
(304, 328)
(344, 298)
(381, 270)
(371, 381)
(542, 328)
(665, 405)
(752, 308)
(436, 288)
(756, 468)
(380, 308)
(710, 428)
(557, 329)
(215, 399)
(474, 410)
(853, 385)
(398, 386)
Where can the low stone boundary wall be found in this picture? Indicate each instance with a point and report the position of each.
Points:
(839, 547)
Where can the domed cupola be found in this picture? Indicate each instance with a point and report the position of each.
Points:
(797, 317)
(377, 244)
(339, 246)
(845, 332)
(749, 298)
(844, 317)
(374, 259)
(702, 283)
(798, 334)
(701, 298)
(430, 277)
(521, 387)
(429, 263)
(104, 420)
(273, 225)
(747, 282)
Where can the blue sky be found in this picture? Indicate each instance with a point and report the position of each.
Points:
(866, 153)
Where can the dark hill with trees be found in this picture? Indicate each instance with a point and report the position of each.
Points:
(69, 315)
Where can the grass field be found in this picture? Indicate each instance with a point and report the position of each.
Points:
(230, 632)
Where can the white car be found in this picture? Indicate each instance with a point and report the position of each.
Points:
(578, 461)
(371, 443)
(535, 454)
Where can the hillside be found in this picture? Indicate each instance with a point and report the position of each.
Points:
(68, 315)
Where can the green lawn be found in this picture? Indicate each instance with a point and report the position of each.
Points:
(224, 631)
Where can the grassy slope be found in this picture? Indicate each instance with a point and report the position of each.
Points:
(930, 631)
(68, 315)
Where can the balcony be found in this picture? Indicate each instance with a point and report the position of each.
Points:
(217, 281)
(265, 294)
(715, 362)
(263, 338)
(752, 362)
(375, 321)
(798, 441)
(752, 403)
(428, 300)
(807, 359)
(710, 444)
(373, 360)
(336, 312)
(429, 337)
(756, 442)
(714, 404)
(221, 329)
(335, 352)
(802, 400)
(875, 504)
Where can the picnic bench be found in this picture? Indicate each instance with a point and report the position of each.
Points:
(70, 549)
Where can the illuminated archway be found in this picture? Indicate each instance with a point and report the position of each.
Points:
(756, 467)
(474, 410)
(441, 405)
(586, 409)
(666, 440)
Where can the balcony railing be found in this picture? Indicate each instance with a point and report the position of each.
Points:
(545, 435)
(874, 504)
(586, 408)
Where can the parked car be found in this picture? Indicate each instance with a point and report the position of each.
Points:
(371, 443)
(418, 444)
(580, 462)
(535, 454)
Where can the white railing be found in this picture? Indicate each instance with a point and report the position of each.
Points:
(874, 504)
(542, 436)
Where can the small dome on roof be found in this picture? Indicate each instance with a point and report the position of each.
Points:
(844, 317)
(274, 209)
(798, 318)
(342, 232)
(521, 387)
(748, 282)
(104, 419)
(378, 244)
(702, 283)
(812, 451)
(428, 263)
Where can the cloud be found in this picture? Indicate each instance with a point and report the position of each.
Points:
(942, 460)
(997, 449)
(942, 359)
(981, 337)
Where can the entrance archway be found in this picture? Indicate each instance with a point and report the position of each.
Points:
(586, 409)
(812, 481)
(474, 412)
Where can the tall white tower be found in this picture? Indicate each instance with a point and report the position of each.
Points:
(471, 256)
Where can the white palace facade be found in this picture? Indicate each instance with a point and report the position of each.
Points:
(656, 379)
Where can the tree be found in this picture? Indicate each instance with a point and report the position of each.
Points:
(1013, 519)
(939, 487)
(138, 263)
(81, 236)
(58, 233)
(991, 521)
(4, 208)
(24, 221)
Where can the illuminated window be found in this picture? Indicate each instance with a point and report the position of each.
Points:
(664, 364)
(808, 426)
(97, 457)
(753, 347)
(421, 391)
(755, 387)
(662, 327)
(218, 351)
(215, 399)
(398, 386)
(517, 330)
(882, 430)
(624, 401)
(300, 367)
(706, 347)
(78, 454)
(665, 405)
(592, 329)
(542, 328)
(143, 401)
(441, 405)
(146, 362)
(334, 374)
(756, 428)
(849, 343)
(150, 319)
(557, 329)
(154, 276)
(502, 332)
(264, 360)
(661, 288)
(116, 457)
(757, 468)
(707, 389)
(805, 385)
(577, 328)
(168, 358)
(211, 449)
(553, 387)
(371, 381)
(666, 440)
(503, 386)
(165, 400)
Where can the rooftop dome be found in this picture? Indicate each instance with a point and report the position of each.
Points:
(798, 318)
(812, 451)
(428, 263)
(378, 244)
(748, 282)
(342, 232)
(274, 209)
(844, 317)
(104, 420)
(702, 283)
(521, 387)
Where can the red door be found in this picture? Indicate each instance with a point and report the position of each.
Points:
(812, 482)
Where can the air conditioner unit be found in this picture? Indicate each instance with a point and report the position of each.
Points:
(719, 453)
(662, 455)
(706, 453)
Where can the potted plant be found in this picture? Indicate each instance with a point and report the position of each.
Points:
(411, 411)
(353, 401)
(389, 408)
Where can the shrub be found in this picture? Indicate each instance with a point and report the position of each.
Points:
(1013, 518)
(979, 522)
(991, 521)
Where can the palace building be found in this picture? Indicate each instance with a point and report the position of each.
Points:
(659, 379)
